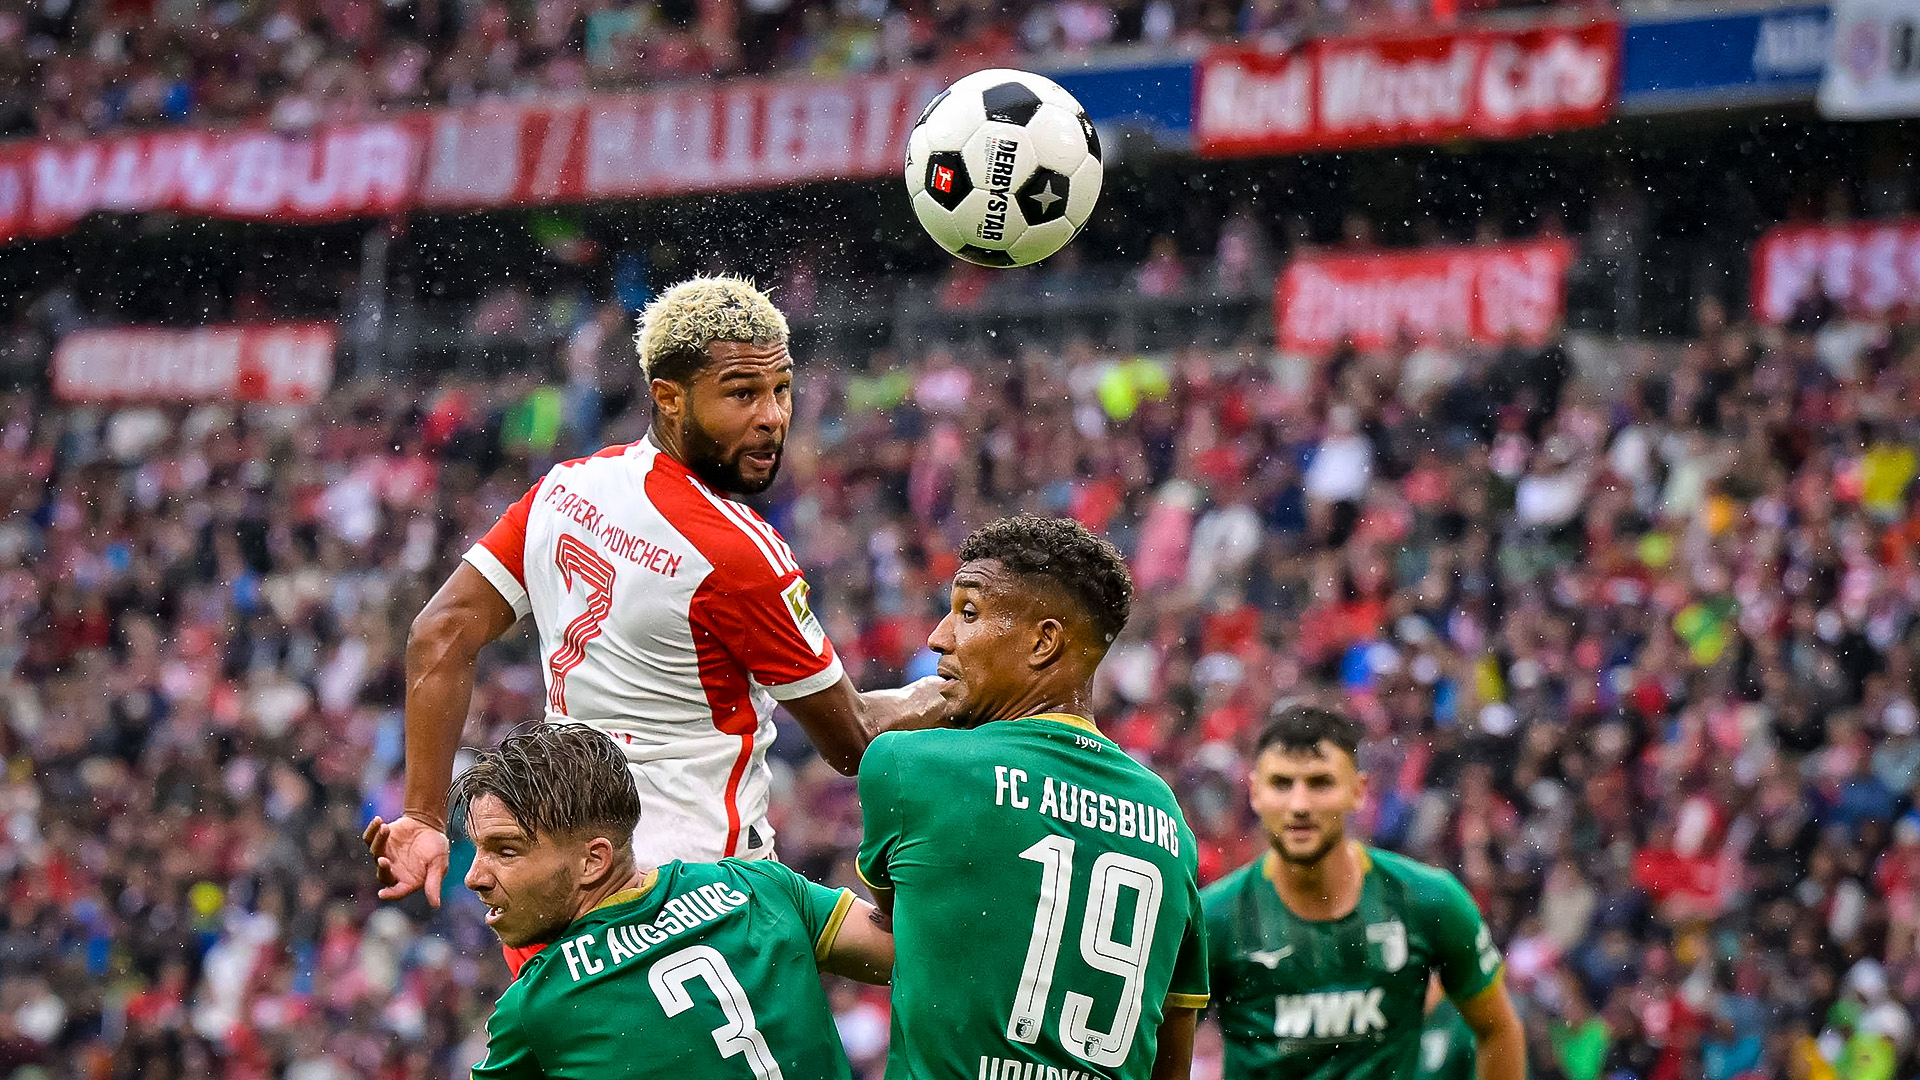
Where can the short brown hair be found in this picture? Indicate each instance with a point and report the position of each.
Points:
(557, 780)
(1300, 727)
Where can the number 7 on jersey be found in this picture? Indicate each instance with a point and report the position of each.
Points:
(575, 558)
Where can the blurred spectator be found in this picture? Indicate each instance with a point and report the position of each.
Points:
(87, 68)
(1636, 659)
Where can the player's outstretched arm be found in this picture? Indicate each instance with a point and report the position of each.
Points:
(1173, 1058)
(1498, 1036)
(841, 721)
(863, 950)
(442, 647)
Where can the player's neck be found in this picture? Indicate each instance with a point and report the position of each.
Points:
(1321, 891)
(639, 880)
(667, 439)
(1074, 701)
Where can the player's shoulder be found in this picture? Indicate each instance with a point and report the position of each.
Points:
(748, 874)
(745, 549)
(1219, 896)
(925, 742)
(522, 998)
(902, 751)
(604, 463)
(1419, 883)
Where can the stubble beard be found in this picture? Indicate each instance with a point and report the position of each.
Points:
(706, 459)
(1327, 846)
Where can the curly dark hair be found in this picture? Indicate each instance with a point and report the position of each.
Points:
(1087, 568)
(1298, 728)
(557, 780)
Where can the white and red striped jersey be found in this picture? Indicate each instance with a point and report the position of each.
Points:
(672, 618)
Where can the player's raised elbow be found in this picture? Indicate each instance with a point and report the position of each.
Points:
(465, 614)
(436, 637)
(844, 752)
(443, 634)
(838, 721)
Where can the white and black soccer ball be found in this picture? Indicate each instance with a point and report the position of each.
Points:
(1003, 167)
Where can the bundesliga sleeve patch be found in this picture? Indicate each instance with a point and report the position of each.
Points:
(802, 614)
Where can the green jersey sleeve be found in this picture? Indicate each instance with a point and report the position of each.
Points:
(509, 1057)
(1215, 903)
(1466, 959)
(879, 812)
(1188, 990)
(822, 910)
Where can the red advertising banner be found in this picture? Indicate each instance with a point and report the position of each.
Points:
(329, 173)
(1490, 295)
(283, 364)
(1870, 268)
(741, 134)
(1344, 93)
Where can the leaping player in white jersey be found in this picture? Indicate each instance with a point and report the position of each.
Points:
(670, 616)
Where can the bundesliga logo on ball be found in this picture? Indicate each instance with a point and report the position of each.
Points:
(1003, 168)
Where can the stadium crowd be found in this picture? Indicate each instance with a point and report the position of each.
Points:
(1636, 656)
(73, 69)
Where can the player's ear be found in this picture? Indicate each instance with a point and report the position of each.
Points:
(1049, 643)
(600, 859)
(669, 398)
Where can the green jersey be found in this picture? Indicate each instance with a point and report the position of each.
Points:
(1342, 999)
(1447, 1049)
(709, 973)
(1046, 911)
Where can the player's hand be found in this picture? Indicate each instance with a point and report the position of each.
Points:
(927, 701)
(408, 854)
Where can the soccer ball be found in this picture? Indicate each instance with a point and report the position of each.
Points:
(1003, 168)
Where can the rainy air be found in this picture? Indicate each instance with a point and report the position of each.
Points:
(959, 539)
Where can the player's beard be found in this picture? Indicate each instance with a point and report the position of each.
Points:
(1330, 839)
(709, 461)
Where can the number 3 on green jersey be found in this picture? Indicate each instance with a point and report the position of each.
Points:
(1113, 874)
(669, 979)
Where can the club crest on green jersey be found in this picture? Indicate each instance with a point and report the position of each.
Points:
(1391, 938)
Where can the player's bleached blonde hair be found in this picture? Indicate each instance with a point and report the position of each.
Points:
(677, 327)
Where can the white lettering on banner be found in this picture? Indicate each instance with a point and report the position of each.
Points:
(1487, 294)
(881, 103)
(682, 140)
(737, 152)
(683, 132)
(1362, 90)
(785, 138)
(289, 363)
(1871, 268)
(63, 182)
(126, 182)
(1565, 76)
(194, 167)
(1791, 45)
(1237, 101)
(475, 157)
(827, 142)
(254, 189)
(1352, 92)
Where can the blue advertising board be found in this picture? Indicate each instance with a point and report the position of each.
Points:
(1746, 58)
(1155, 99)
